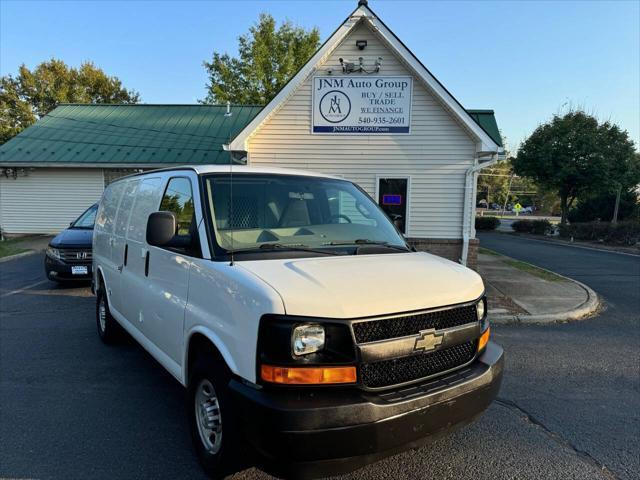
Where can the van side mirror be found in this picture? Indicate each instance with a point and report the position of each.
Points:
(161, 228)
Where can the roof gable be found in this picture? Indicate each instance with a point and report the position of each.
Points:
(132, 135)
(486, 142)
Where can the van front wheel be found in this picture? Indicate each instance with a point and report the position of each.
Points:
(212, 418)
(107, 325)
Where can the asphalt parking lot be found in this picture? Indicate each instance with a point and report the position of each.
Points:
(71, 407)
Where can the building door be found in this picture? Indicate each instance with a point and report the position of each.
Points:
(392, 197)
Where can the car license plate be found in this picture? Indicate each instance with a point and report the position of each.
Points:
(79, 270)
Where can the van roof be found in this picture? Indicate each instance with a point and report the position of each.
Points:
(205, 169)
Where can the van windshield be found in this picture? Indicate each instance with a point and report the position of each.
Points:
(285, 211)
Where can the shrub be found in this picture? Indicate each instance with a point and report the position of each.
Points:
(487, 223)
(622, 233)
(536, 227)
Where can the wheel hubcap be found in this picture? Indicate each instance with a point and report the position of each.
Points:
(102, 315)
(208, 417)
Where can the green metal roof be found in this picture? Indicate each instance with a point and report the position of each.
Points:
(135, 135)
(487, 121)
(140, 135)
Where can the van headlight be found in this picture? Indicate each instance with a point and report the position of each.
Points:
(53, 252)
(481, 308)
(308, 338)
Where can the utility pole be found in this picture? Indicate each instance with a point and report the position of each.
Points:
(506, 199)
(614, 220)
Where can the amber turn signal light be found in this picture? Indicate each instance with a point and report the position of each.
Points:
(307, 375)
(484, 339)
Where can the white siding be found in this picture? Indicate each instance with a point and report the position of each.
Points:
(435, 155)
(47, 199)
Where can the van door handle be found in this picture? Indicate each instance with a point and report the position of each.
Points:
(146, 264)
(119, 268)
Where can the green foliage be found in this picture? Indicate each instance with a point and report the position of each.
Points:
(601, 207)
(493, 182)
(268, 58)
(34, 93)
(487, 223)
(621, 233)
(575, 155)
(536, 227)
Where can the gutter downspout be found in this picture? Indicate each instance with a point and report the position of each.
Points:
(469, 203)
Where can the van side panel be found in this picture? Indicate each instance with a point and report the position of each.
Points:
(133, 282)
(119, 241)
(228, 301)
(103, 235)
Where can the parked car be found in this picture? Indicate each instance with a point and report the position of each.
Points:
(294, 313)
(527, 210)
(68, 256)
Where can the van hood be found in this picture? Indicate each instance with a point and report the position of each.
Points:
(366, 285)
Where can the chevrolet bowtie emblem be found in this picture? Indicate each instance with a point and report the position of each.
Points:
(428, 340)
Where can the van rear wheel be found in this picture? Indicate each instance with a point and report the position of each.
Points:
(212, 418)
(107, 325)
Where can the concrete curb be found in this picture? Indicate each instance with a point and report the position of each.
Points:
(585, 310)
(18, 255)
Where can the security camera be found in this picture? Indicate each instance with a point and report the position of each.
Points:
(378, 64)
(347, 67)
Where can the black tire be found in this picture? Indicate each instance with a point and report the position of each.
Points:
(218, 462)
(108, 329)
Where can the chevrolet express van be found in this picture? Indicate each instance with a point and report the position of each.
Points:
(294, 313)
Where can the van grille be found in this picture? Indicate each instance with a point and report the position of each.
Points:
(76, 255)
(374, 330)
(406, 369)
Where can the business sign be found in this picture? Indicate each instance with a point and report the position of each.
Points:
(361, 104)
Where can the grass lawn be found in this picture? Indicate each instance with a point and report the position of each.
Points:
(11, 247)
(524, 266)
(533, 270)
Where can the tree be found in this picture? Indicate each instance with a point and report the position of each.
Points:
(493, 182)
(575, 155)
(268, 58)
(34, 93)
(602, 207)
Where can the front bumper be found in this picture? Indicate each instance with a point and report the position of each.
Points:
(57, 270)
(309, 433)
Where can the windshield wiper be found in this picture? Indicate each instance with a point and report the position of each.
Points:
(284, 246)
(366, 241)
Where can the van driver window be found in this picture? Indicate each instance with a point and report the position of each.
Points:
(178, 198)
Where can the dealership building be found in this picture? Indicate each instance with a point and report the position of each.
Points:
(363, 108)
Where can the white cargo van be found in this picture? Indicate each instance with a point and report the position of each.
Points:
(294, 313)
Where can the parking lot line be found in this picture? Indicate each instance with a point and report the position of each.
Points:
(20, 290)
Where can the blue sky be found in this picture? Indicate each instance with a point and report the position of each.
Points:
(526, 60)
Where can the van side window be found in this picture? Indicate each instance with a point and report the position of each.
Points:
(178, 198)
(124, 212)
(110, 201)
(146, 202)
(342, 204)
